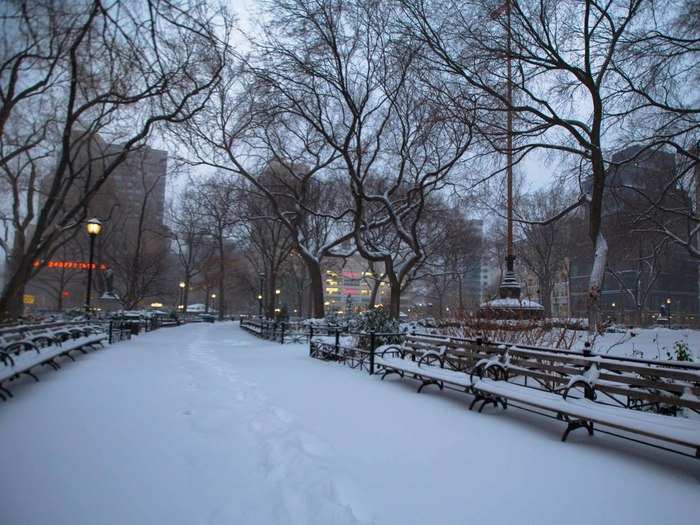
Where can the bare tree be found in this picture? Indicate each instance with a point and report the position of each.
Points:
(70, 72)
(396, 135)
(563, 80)
(188, 235)
(219, 206)
(245, 137)
(543, 248)
(268, 240)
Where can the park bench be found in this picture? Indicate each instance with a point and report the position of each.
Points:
(585, 413)
(429, 368)
(634, 395)
(569, 386)
(629, 382)
(25, 348)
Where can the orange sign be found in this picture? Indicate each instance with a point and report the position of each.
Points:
(72, 265)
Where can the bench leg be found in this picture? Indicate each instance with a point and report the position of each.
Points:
(5, 394)
(389, 371)
(427, 382)
(476, 398)
(35, 378)
(67, 354)
(488, 400)
(577, 423)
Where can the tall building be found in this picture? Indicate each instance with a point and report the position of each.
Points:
(348, 285)
(645, 272)
(131, 204)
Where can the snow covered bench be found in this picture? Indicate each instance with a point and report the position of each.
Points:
(22, 353)
(578, 389)
(429, 369)
(664, 386)
(584, 413)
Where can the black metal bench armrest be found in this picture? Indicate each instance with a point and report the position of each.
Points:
(432, 356)
(45, 337)
(588, 389)
(6, 357)
(392, 349)
(19, 345)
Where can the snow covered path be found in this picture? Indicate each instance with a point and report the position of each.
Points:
(206, 424)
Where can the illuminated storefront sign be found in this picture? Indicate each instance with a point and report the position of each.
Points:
(71, 265)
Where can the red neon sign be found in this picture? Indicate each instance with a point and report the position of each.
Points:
(72, 265)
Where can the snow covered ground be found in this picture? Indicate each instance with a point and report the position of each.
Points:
(647, 343)
(207, 424)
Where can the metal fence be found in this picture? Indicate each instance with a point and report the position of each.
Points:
(120, 329)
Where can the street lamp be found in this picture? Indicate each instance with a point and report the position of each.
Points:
(93, 227)
(182, 286)
(260, 295)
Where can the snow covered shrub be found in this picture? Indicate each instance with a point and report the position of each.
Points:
(521, 332)
(681, 352)
(378, 321)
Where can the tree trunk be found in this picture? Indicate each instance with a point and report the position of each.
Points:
(395, 304)
(220, 296)
(461, 295)
(317, 308)
(271, 296)
(595, 212)
(185, 295)
(546, 297)
(595, 283)
(373, 293)
(12, 305)
(11, 301)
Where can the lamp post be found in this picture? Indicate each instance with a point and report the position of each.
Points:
(260, 294)
(93, 227)
(182, 296)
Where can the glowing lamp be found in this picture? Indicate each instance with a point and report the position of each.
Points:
(93, 227)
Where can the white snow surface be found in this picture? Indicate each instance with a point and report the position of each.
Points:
(206, 424)
(512, 303)
(648, 343)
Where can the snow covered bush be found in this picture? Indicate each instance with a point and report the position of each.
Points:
(378, 321)
(681, 352)
(522, 332)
